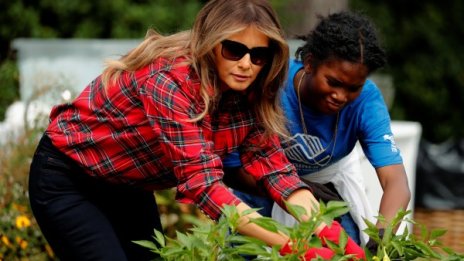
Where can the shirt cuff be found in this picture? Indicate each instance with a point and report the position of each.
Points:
(281, 186)
(211, 200)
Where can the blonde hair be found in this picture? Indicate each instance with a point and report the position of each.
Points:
(216, 21)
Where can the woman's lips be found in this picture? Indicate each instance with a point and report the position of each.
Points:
(334, 106)
(240, 78)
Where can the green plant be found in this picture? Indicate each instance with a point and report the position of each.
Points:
(20, 236)
(176, 216)
(407, 246)
(9, 91)
(426, 64)
(221, 241)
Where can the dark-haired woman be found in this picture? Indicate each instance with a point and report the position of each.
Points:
(330, 105)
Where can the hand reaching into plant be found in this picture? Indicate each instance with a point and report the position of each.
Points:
(310, 253)
(332, 233)
(372, 245)
(213, 241)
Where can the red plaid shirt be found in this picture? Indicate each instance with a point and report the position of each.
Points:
(139, 132)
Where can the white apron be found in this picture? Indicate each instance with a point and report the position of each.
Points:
(348, 181)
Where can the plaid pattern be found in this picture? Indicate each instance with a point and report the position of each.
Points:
(139, 131)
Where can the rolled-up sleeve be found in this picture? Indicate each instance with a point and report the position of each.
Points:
(170, 109)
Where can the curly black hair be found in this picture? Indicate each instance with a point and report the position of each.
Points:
(344, 35)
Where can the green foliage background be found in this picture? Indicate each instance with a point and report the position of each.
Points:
(422, 39)
(82, 19)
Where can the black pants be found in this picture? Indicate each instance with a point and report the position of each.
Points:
(87, 219)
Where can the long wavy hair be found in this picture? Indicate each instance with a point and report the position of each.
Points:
(217, 20)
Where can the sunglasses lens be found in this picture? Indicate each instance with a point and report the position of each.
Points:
(260, 55)
(235, 51)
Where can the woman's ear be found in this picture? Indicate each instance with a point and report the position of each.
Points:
(307, 63)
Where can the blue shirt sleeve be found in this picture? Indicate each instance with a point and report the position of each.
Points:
(376, 137)
(232, 160)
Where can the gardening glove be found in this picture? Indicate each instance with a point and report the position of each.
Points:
(372, 245)
(311, 253)
(333, 232)
(324, 252)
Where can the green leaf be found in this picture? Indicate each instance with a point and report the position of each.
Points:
(252, 249)
(436, 233)
(332, 245)
(266, 223)
(183, 239)
(249, 211)
(424, 249)
(398, 247)
(295, 210)
(336, 208)
(174, 252)
(159, 237)
(146, 243)
(343, 239)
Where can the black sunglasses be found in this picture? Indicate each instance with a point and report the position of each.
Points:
(235, 51)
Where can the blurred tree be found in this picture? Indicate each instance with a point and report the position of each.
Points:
(425, 59)
(82, 19)
(298, 17)
(9, 85)
(423, 40)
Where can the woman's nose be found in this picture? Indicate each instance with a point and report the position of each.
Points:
(245, 62)
(340, 95)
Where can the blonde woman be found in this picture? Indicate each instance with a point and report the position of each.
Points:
(163, 116)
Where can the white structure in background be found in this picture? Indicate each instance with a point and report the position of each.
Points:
(16, 120)
(53, 71)
(67, 66)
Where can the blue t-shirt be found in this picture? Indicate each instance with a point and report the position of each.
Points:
(366, 120)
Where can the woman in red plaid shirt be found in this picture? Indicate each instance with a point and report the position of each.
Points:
(162, 116)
